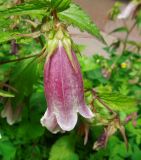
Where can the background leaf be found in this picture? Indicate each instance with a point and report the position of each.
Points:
(63, 149)
(6, 94)
(6, 36)
(120, 29)
(119, 102)
(7, 150)
(60, 5)
(78, 18)
(32, 7)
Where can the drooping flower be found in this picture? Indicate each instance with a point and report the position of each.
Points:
(12, 115)
(63, 86)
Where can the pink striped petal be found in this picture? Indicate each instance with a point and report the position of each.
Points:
(64, 92)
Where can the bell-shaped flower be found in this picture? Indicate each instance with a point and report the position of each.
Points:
(12, 115)
(63, 87)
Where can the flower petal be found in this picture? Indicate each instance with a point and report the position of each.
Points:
(64, 92)
(67, 121)
(85, 111)
(50, 122)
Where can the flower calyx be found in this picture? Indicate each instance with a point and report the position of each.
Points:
(60, 37)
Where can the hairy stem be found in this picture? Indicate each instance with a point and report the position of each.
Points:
(127, 36)
(23, 58)
(103, 103)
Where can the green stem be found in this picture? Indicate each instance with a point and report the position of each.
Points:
(8, 86)
(127, 36)
(23, 58)
(124, 45)
(55, 17)
(19, 59)
(103, 103)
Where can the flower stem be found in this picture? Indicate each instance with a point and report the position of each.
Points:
(55, 17)
(124, 45)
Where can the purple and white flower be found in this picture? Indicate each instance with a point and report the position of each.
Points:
(63, 91)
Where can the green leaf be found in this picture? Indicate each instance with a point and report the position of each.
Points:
(63, 149)
(6, 94)
(32, 7)
(7, 150)
(120, 29)
(6, 36)
(119, 102)
(24, 75)
(30, 130)
(138, 19)
(60, 5)
(137, 153)
(78, 18)
(113, 13)
(38, 99)
(4, 23)
(134, 43)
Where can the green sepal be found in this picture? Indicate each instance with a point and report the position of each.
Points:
(51, 35)
(52, 46)
(68, 45)
(59, 35)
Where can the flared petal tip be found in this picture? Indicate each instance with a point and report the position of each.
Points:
(67, 122)
(50, 123)
(86, 112)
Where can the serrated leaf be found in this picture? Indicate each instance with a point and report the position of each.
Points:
(6, 94)
(78, 18)
(60, 5)
(65, 146)
(6, 36)
(119, 102)
(32, 7)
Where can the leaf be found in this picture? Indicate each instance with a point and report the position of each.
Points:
(119, 102)
(113, 13)
(7, 150)
(60, 5)
(6, 36)
(120, 29)
(32, 7)
(138, 19)
(65, 146)
(38, 99)
(78, 18)
(30, 130)
(84, 61)
(137, 153)
(4, 23)
(6, 94)
(134, 43)
(24, 75)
